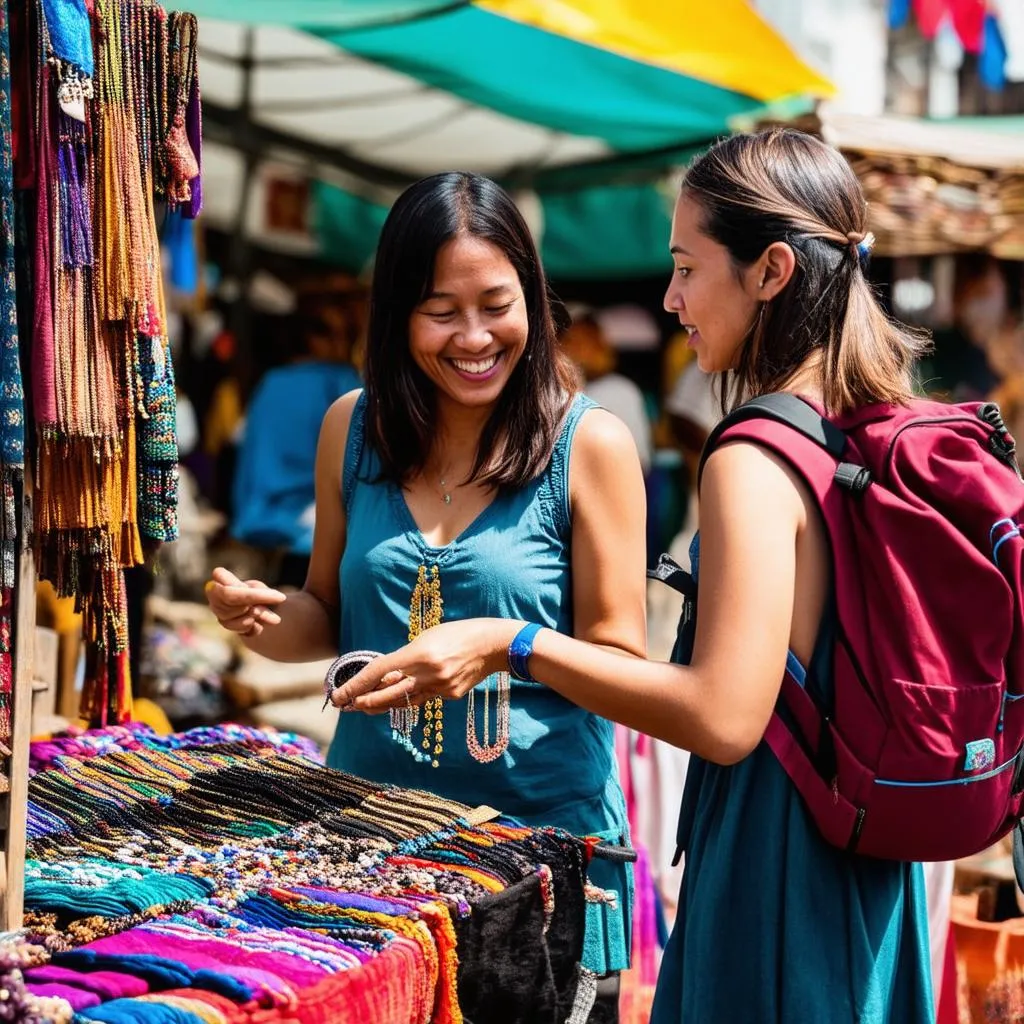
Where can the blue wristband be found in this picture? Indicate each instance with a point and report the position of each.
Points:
(519, 652)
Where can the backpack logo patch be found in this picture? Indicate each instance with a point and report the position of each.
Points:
(981, 755)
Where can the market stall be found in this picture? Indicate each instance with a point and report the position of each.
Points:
(226, 872)
(935, 187)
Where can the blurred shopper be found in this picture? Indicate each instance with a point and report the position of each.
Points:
(274, 493)
(693, 409)
(217, 396)
(959, 369)
(588, 347)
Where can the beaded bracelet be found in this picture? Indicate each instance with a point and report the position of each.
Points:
(343, 668)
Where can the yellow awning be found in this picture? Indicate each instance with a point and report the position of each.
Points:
(723, 42)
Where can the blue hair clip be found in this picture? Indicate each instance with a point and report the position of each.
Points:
(864, 247)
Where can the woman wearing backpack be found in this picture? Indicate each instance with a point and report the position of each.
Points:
(774, 924)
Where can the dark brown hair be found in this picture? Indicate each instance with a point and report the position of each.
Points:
(782, 185)
(518, 437)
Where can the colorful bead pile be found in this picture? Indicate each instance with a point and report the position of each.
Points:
(226, 874)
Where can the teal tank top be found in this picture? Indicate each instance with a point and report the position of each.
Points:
(773, 925)
(513, 561)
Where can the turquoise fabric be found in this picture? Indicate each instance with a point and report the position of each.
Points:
(351, 13)
(274, 490)
(68, 32)
(617, 231)
(139, 1011)
(512, 562)
(777, 927)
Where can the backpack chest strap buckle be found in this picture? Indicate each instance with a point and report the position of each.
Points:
(853, 478)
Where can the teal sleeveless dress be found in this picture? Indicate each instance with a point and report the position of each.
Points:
(775, 926)
(513, 561)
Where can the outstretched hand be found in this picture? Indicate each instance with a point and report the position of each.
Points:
(243, 607)
(444, 661)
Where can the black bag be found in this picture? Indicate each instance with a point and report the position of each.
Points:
(669, 571)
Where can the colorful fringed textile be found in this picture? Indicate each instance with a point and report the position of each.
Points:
(226, 871)
(112, 127)
(6, 674)
(12, 426)
(639, 981)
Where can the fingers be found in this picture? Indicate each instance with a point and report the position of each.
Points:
(367, 679)
(228, 589)
(224, 577)
(250, 623)
(387, 697)
(239, 623)
(389, 683)
(242, 595)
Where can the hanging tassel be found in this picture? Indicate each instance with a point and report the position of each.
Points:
(75, 215)
(94, 690)
(65, 172)
(6, 666)
(121, 705)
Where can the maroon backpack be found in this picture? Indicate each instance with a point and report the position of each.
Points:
(918, 754)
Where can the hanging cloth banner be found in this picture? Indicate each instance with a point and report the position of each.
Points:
(12, 417)
(12, 427)
(967, 16)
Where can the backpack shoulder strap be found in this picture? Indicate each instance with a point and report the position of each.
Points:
(783, 408)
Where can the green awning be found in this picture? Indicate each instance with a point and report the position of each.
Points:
(551, 80)
(605, 232)
(321, 13)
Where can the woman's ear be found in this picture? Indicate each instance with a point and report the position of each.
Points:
(775, 269)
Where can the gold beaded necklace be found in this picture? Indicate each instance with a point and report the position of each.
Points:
(426, 609)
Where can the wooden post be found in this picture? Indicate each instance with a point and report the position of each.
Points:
(15, 810)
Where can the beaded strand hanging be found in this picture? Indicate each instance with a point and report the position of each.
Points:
(487, 751)
(426, 609)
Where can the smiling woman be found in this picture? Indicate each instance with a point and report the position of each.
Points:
(469, 479)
